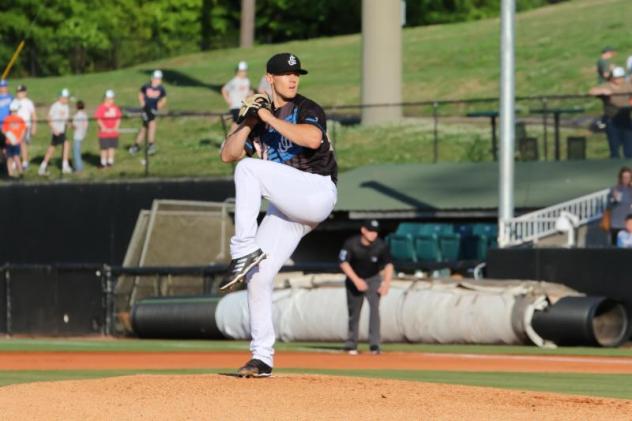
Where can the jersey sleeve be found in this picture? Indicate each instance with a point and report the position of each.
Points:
(312, 113)
(345, 253)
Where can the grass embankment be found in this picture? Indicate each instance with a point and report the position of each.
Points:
(557, 47)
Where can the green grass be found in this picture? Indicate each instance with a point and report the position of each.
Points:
(152, 345)
(605, 385)
(557, 47)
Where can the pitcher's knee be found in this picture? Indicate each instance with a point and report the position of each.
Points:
(244, 167)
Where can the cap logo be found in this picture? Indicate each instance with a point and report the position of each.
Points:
(292, 60)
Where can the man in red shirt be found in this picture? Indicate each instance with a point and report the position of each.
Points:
(108, 116)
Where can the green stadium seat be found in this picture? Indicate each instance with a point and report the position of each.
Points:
(427, 248)
(408, 228)
(402, 248)
(450, 246)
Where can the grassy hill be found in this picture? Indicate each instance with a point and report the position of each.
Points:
(557, 47)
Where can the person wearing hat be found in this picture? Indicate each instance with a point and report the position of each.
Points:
(5, 102)
(366, 261)
(58, 116)
(604, 68)
(14, 128)
(236, 90)
(616, 95)
(152, 98)
(108, 116)
(297, 173)
(27, 112)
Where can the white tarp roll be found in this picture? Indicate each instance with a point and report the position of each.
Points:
(429, 313)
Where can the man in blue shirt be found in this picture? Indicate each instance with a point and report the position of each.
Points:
(5, 101)
(624, 238)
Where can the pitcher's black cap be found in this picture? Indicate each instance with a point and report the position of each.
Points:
(284, 63)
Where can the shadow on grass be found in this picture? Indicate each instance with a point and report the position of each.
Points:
(177, 78)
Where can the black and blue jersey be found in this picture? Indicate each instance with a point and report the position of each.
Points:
(277, 148)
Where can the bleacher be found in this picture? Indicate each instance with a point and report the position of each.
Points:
(441, 242)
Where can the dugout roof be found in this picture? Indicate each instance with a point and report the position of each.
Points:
(466, 189)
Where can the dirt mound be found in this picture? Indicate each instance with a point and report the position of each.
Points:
(295, 397)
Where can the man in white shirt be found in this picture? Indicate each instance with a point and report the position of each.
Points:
(624, 238)
(236, 90)
(26, 110)
(58, 117)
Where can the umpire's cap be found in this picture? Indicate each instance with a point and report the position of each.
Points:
(371, 225)
(284, 63)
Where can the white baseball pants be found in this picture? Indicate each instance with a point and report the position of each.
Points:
(299, 201)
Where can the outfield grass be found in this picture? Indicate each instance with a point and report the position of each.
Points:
(557, 47)
(154, 345)
(605, 385)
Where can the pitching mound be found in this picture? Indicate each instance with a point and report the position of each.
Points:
(296, 397)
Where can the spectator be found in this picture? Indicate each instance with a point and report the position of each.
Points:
(628, 66)
(58, 116)
(236, 90)
(5, 101)
(108, 117)
(14, 128)
(624, 238)
(80, 128)
(617, 98)
(264, 86)
(27, 112)
(604, 68)
(620, 203)
(366, 261)
(152, 98)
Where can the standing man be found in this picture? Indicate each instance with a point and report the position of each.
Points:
(152, 98)
(236, 90)
(366, 261)
(58, 116)
(604, 68)
(297, 173)
(108, 116)
(617, 99)
(26, 110)
(5, 102)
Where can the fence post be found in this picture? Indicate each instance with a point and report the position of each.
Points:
(545, 119)
(7, 285)
(435, 133)
(108, 289)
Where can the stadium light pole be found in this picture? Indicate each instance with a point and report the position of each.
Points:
(381, 61)
(507, 117)
(247, 28)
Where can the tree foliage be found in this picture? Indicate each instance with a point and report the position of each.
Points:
(77, 36)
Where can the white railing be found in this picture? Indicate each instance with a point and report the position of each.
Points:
(536, 225)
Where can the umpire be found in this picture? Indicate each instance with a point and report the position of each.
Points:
(366, 261)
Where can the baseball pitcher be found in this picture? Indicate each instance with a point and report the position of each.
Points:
(296, 173)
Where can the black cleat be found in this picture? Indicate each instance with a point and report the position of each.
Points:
(255, 368)
(239, 267)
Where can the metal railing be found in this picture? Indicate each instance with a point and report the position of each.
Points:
(536, 225)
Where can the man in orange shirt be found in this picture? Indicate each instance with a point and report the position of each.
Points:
(14, 128)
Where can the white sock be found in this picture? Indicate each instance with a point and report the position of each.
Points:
(111, 161)
(65, 164)
(43, 165)
(104, 162)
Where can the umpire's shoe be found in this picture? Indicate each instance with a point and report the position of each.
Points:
(255, 368)
(239, 267)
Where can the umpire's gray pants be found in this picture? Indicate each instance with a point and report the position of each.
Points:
(355, 299)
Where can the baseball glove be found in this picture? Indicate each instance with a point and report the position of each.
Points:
(252, 104)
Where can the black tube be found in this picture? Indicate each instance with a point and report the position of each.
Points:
(176, 318)
(588, 321)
